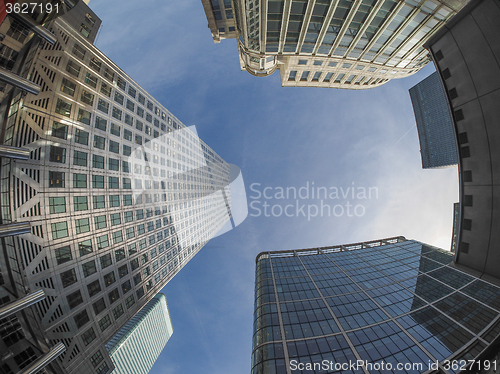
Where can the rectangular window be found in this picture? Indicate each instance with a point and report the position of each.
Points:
(127, 185)
(132, 250)
(78, 51)
(79, 158)
(109, 279)
(119, 98)
(115, 219)
(95, 64)
(80, 203)
(113, 182)
(81, 318)
(63, 254)
(149, 117)
(73, 68)
(117, 113)
(91, 80)
(109, 74)
(129, 301)
(104, 323)
(127, 135)
(132, 91)
(79, 180)
(128, 216)
(130, 232)
(119, 254)
(98, 181)
(117, 237)
(94, 288)
(57, 154)
(99, 202)
(84, 30)
(57, 205)
(82, 225)
(68, 87)
(106, 261)
(115, 129)
(118, 311)
(140, 113)
(102, 242)
(68, 278)
(89, 268)
(120, 82)
(126, 286)
(114, 201)
(99, 142)
(129, 120)
(82, 137)
(97, 162)
(100, 123)
(99, 306)
(103, 105)
(84, 116)
(100, 222)
(74, 299)
(56, 179)
(63, 108)
(130, 105)
(85, 247)
(88, 336)
(59, 230)
(87, 98)
(113, 164)
(105, 89)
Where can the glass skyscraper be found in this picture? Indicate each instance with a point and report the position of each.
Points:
(135, 348)
(107, 193)
(436, 131)
(352, 44)
(392, 305)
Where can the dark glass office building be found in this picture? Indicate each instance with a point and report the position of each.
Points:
(392, 305)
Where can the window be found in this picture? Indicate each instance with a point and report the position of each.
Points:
(63, 254)
(99, 306)
(95, 64)
(126, 286)
(117, 237)
(137, 279)
(91, 80)
(127, 185)
(109, 279)
(80, 203)
(59, 230)
(127, 135)
(87, 98)
(130, 105)
(89, 268)
(139, 214)
(105, 89)
(97, 162)
(119, 98)
(115, 129)
(56, 179)
(84, 30)
(81, 318)
(140, 292)
(119, 254)
(140, 229)
(149, 117)
(129, 120)
(113, 182)
(100, 123)
(117, 113)
(99, 202)
(120, 82)
(100, 222)
(138, 139)
(129, 301)
(103, 106)
(115, 148)
(79, 158)
(94, 288)
(102, 242)
(134, 264)
(140, 113)
(85, 247)
(79, 180)
(114, 201)
(132, 250)
(88, 336)
(57, 205)
(68, 87)
(98, 181)
(99, 142)
(105, 322)
(109, 74)
(118, 311)
(74, 299)
(115, 219)
(68, 278)
(82, 225)
(73, 68)
(57, 154)
(82, 137)
(128, 216)
(84, 116)
(130, 232)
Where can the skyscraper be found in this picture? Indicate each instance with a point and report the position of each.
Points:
(353, 44)
(436, 133)
(393, 304)
(135, 348)
(109, 193)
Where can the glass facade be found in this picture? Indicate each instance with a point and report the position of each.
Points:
(393, 305)
(436, 130)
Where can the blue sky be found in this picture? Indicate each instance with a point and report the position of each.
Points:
(279, 137)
